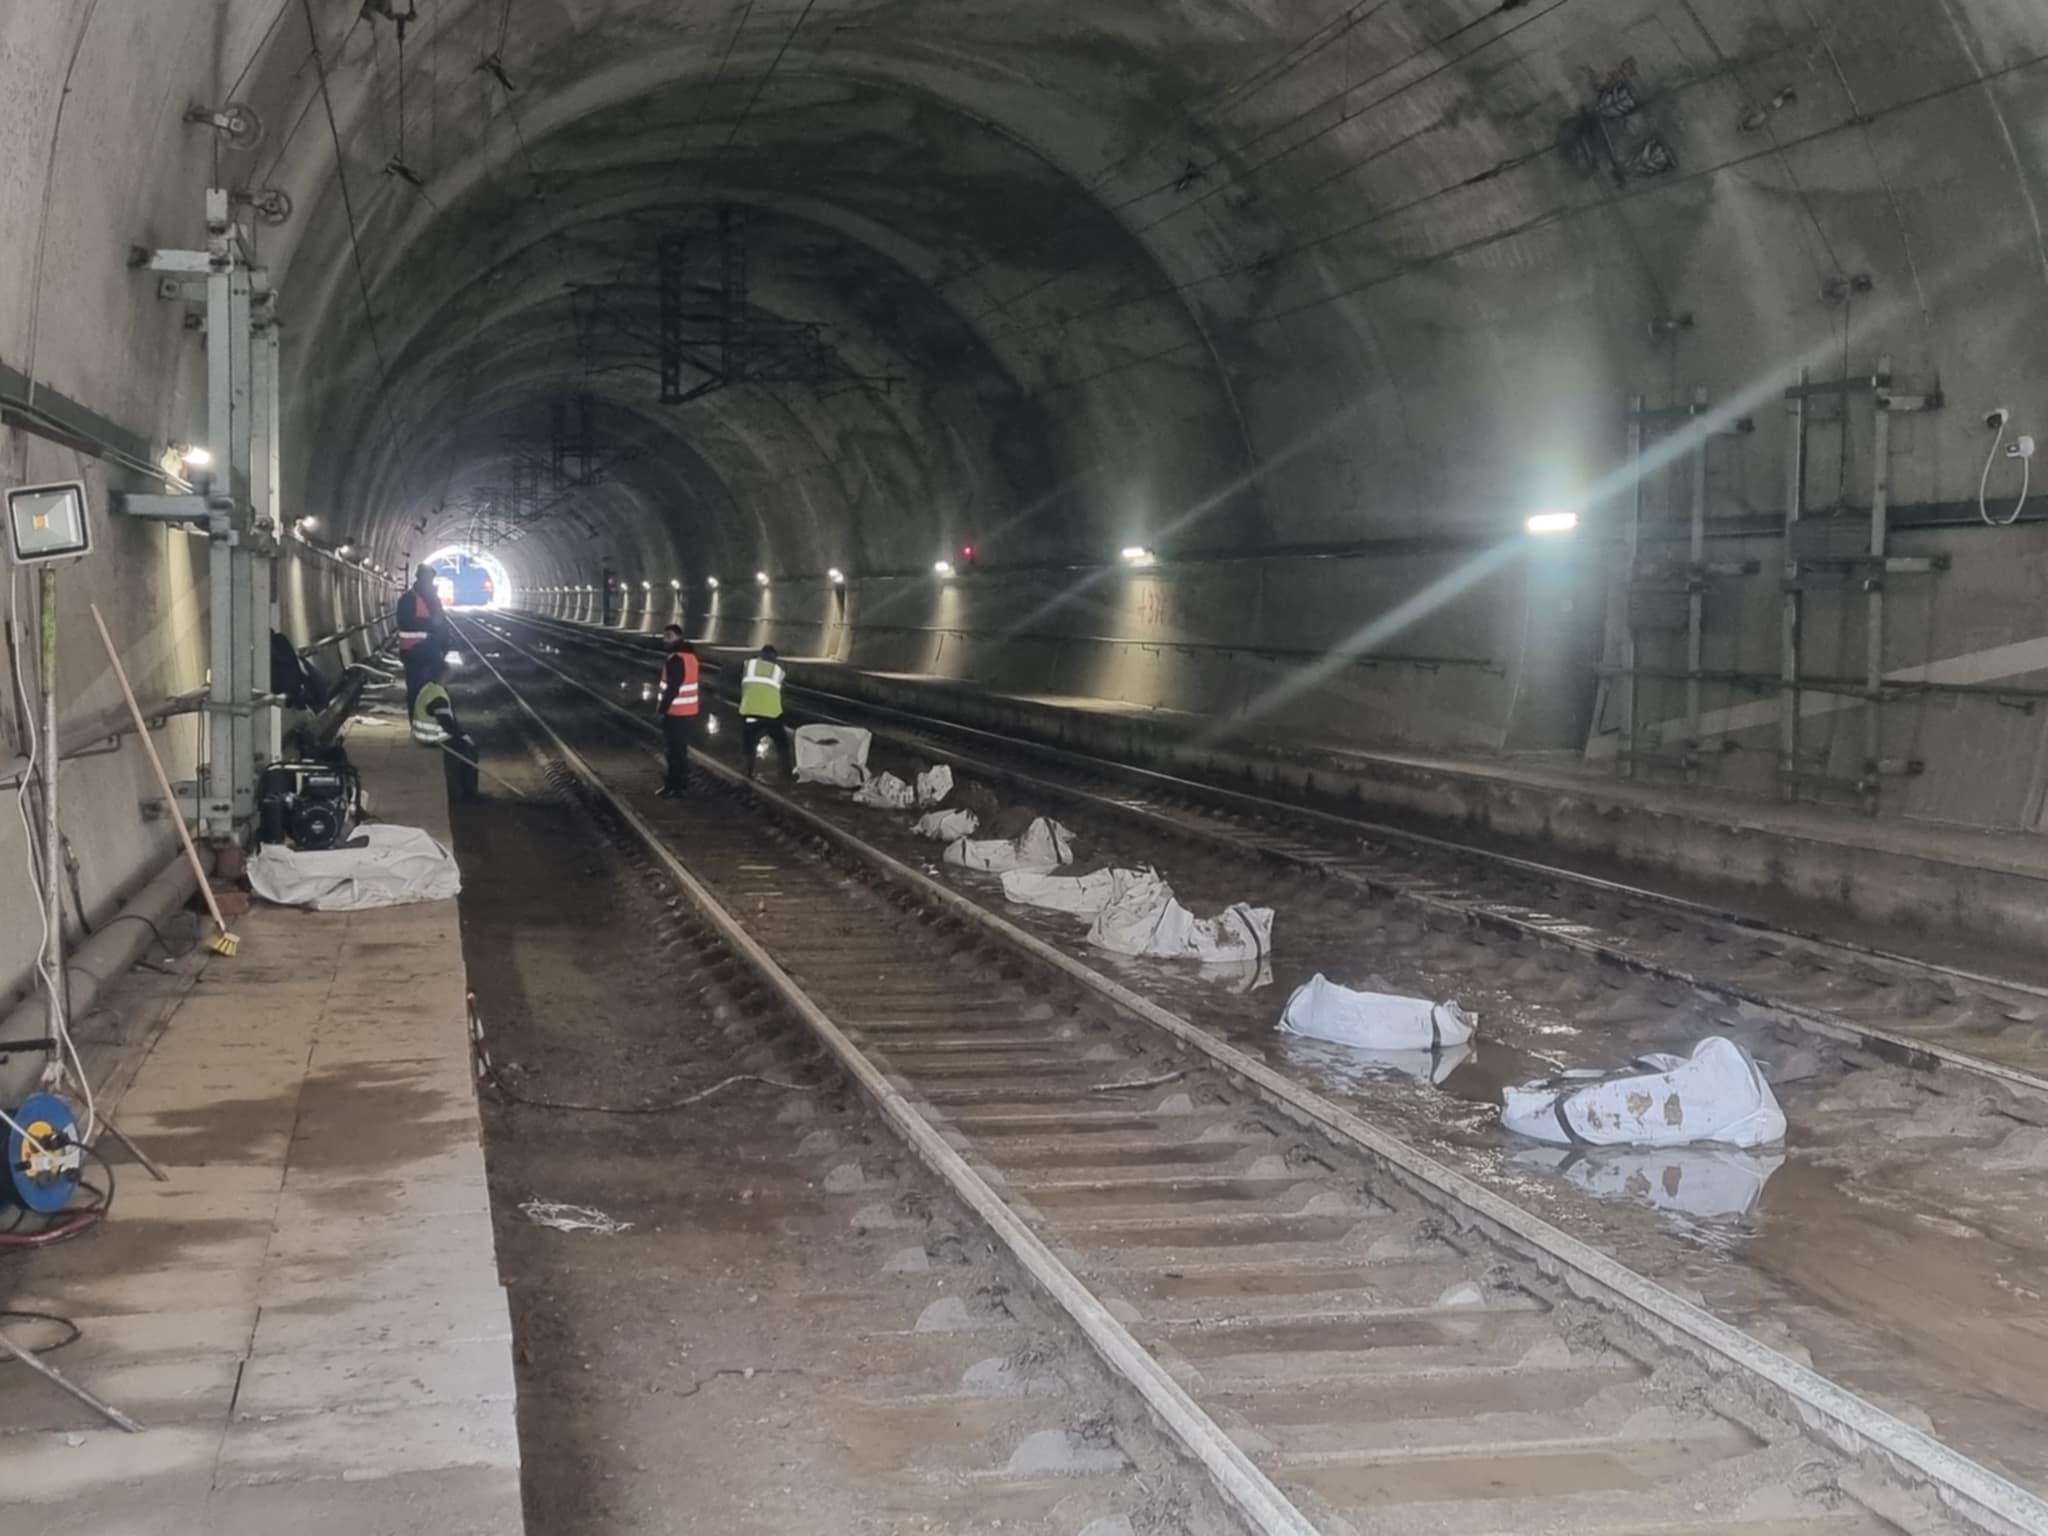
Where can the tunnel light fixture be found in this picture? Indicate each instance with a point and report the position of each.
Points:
(646, 586)
(760, 578)
(1137, 554)
(345, 550)
(836, 576)
(306, 524)
(711, 582)
(942, 568)
(196, 455)
(675, 583)
(1552, 521)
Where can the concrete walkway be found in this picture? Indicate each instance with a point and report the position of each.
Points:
(308, 1317)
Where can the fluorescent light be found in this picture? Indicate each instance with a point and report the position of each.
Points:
(838, 579)
(198, 455)
(942, 567)
(761, 578)
(1552, 522)
(1136, 554)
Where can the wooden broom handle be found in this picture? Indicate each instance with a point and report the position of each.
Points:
(162, 779)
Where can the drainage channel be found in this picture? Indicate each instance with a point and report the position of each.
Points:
(1348, 1335)
(1909, 1012)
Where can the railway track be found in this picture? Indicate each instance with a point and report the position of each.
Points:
(1906, 1010)
(1347, 1335)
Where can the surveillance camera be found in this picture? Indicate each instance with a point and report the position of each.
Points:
(1993, 420)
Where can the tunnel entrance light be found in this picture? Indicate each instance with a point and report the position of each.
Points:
(1137, 554)
(761, 578)
(836, 576)
(942, 568)
(1552, 522)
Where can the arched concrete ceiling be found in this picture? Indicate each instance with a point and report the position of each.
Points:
(1215, 274)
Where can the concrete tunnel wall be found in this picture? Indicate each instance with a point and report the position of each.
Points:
(1317, 301)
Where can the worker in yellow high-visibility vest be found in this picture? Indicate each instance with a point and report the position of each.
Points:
(761, 710)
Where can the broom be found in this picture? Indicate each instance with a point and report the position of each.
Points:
(221, 942)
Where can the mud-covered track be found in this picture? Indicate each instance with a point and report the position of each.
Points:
(1388, 1345)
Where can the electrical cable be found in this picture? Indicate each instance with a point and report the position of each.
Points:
(1984, 480)
(72, 1332)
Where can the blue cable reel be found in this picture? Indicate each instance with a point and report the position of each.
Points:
(44, 1155)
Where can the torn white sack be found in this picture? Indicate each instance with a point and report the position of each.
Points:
(572, 1218)
(1373, 1021)
(1147, 920)
(1045, 845)
(934, 784)
(885, 791)
(947, 826)
(1082, 895)
(831, 754)
(1714, 1095)
(391, 867)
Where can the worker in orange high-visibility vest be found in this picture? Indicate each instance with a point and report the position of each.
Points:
(422, 632)
(678, 710)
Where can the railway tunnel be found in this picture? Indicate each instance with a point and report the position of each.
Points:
(1532, 496)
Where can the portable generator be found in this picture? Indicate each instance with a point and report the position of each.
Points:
(309, 805)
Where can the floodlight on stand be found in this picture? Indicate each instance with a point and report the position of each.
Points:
(675, 583)
(760, 578)
(1136, 554)
(838, 579)
(711, 582)
(48, 522)
(1552, 521)
(646, 586)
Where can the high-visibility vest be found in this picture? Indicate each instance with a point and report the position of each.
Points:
(685, 701)
(415, 620)
(761, 690)
(426, 730)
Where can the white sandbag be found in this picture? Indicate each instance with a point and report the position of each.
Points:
(1714, 1095)
(1709, 1181)
(831, 754)
(1373, 1021)
(1147, 920)
(947, 826)
(887, 792)
(934, 784)
(1045, 845)
(394, 866)
(1082, 895)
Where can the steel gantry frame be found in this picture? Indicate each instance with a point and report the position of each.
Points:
(235, 504)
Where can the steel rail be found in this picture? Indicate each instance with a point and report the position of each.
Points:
(1843, 1419)
(1897, 1046)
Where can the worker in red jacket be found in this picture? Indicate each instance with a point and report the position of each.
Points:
(677, 710)
(422, 632)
